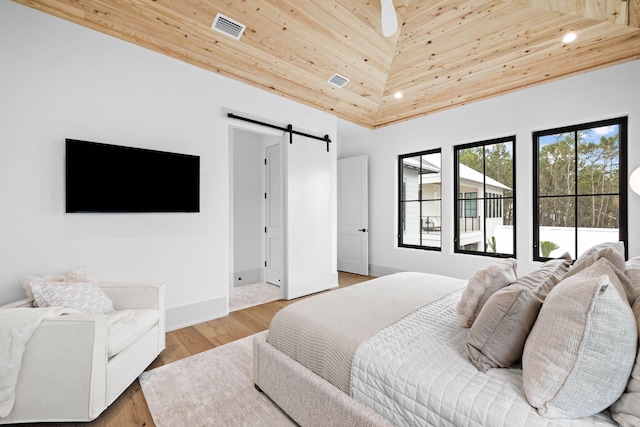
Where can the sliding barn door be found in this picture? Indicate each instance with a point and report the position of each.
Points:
(308, 217)
(273, 216)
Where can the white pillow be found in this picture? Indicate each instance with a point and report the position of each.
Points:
(481, 286)
(80, 274)
(579, 354)
(84, 297)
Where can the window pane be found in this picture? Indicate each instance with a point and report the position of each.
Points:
(411, 178)
(472, 158)
(597, 221)
(556, 163)
(485, 181)
(431, 220)
(500, 229)
(599, 212)
(506, 211)
(411, 223)
(557, 226)
(421, 182)
(499, 168)
(598, 160)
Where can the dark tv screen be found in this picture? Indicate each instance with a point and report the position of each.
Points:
(112, 178)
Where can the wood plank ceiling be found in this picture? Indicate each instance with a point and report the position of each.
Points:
(446, 53)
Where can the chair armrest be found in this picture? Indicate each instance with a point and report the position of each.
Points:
(64, 370)
(25, 302)
(139, 295)
(135, 295)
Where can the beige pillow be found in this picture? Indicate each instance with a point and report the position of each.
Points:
(481, 286)
(612, 251)
(580, 352)
(84, 297)
(497, 337)
(632, 271)
(542, 280)
(626, 410)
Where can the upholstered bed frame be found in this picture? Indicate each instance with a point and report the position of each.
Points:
(309, 400)
(416, 369)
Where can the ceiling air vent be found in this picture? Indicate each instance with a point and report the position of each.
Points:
(338, 80)
(228, 26)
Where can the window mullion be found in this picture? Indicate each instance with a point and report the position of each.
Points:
(575, 192)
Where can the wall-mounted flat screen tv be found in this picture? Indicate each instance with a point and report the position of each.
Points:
(112, 178)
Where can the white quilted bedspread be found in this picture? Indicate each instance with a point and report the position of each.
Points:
(416, 373)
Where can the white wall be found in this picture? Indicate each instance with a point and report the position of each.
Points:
(602, 94)
(59, 80)
(248, 198)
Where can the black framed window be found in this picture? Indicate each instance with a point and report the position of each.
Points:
(471, 204)
(485, 188)
(419, 204)
(580, 181)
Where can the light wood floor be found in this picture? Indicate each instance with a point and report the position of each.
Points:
(131, 409)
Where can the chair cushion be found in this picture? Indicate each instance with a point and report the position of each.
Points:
(127, 326)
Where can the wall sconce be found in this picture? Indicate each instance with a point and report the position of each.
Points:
(634, 181)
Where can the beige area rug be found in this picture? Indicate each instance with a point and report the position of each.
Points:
(250, 295)
(212, 388)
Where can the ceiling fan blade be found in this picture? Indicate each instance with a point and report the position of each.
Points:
(389, 18)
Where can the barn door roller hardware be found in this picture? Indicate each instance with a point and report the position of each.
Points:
(289, 129)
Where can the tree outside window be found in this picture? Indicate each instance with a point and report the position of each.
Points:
(580, 187)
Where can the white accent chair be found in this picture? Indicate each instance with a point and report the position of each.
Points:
(74, 366)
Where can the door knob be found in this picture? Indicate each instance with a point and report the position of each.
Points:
(363, 230)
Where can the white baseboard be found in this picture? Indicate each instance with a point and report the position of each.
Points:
(334, 279)
(191, 314)
(247, 277)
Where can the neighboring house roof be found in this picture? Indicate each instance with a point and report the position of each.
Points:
(473, 175)
(433, 168)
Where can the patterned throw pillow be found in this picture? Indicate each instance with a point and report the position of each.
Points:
(81, 274)
(84, 297)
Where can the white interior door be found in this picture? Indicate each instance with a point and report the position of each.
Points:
(353, 215)
(274, 264)
(308, 217)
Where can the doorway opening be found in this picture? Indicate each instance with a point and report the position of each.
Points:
(255, 240)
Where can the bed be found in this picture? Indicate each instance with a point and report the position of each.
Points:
(389, 352)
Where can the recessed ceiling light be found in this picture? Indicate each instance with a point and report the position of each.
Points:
(397, 95)
(569, 37)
